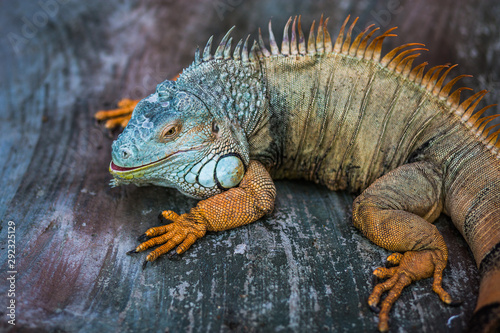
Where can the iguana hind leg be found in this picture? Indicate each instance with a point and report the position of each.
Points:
(396, 212)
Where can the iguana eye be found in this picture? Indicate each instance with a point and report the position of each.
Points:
(170, 132)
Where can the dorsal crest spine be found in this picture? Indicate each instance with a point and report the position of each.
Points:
(399, 60)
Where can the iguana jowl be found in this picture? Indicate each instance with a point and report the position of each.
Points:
(341, 115)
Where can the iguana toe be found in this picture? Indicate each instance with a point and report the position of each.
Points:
(393, 260)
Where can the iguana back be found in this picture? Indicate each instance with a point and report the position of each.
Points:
(347, 121)
(344, 121)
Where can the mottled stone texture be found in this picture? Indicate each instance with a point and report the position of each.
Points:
(305, 268)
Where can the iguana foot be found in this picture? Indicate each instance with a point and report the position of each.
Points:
(185, 229)
(411, 266)
(249, 201)
(117, 117)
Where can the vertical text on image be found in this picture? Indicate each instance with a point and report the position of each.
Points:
(11, 272)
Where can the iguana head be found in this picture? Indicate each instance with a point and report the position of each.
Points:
(191, 134)
(174, 140)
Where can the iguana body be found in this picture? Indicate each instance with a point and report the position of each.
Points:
(338, 114)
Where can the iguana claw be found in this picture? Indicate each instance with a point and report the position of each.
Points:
(142, 238)
(456, 303)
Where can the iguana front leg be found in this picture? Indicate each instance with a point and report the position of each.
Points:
(247, 202)
(395, 213)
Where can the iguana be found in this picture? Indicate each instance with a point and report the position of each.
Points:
(337, 113)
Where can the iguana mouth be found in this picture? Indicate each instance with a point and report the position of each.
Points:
(113, 168)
